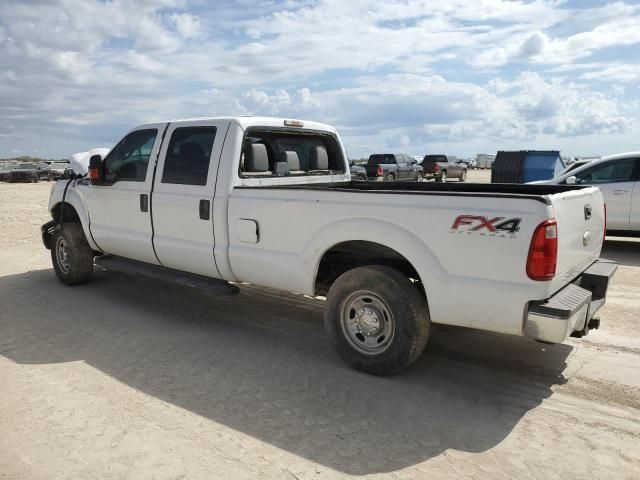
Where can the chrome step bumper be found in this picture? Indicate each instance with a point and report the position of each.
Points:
(570, 310)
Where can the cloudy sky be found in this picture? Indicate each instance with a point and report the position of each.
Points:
(456, 76)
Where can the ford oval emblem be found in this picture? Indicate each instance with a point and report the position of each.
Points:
(586, 238)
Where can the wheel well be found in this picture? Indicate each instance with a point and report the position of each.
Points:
(70, 213)
(357, 253)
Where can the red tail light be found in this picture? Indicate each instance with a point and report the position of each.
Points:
(543, 252)
(380, 173)
(436, 168)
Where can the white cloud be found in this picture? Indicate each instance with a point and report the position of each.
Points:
(77, 74)
(618, 27)
(623, 73)
(430, 108)
(187, 25)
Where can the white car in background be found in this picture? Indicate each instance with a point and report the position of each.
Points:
(618, 177)
(577, 164)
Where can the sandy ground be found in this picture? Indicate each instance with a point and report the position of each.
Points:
(124, 378)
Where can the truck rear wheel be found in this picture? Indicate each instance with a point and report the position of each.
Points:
(377, 319)
(390, 178)
(71, 255)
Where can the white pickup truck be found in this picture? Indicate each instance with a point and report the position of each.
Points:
(270, 202)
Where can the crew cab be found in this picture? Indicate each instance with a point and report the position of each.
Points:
(390, 167)
(442, 167)
(271, 202)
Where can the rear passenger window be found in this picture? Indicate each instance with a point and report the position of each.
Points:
(188, 155)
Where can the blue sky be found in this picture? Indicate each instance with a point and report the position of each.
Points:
(419, 77)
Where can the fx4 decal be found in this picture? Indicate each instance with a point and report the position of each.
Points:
(496, 226)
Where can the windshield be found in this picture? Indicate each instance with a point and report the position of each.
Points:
(378, 158)
(569, 173)
(575, 166)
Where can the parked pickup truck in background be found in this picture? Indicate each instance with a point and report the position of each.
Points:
(358, 172)
(390, 167)
(442, 167)
(270, 202)
(58, 169)
(29, 172)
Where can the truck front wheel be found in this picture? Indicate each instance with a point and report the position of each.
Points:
(71, 255)
(377, 319)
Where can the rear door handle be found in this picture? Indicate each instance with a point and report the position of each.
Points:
(144, 202)
(205, 209)
(620, 192)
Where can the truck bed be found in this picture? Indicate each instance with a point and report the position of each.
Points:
(504, 190)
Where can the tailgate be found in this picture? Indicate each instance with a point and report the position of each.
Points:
(372, 170)
(372, 165)
(429, 167)
(580, 216)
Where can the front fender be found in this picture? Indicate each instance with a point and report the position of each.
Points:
(75, 199)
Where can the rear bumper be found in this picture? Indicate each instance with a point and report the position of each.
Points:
(572, 308)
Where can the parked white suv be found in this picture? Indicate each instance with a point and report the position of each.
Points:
(618, 178)
(270, 202)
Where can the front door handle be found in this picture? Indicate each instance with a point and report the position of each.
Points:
(205, 209)
(144, 202)
(619, 192)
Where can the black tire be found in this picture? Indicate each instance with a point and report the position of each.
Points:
(409, 318)
(390, 178)
(463, 176)
(76, 268)
(361, 178)
(418, 176)
(36, 179)
(442, 177)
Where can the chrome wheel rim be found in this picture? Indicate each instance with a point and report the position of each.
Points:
(367, 322)
(62, 255)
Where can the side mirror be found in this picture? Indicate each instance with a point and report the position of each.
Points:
(352, 163)
(571, 180)
(95, 170)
